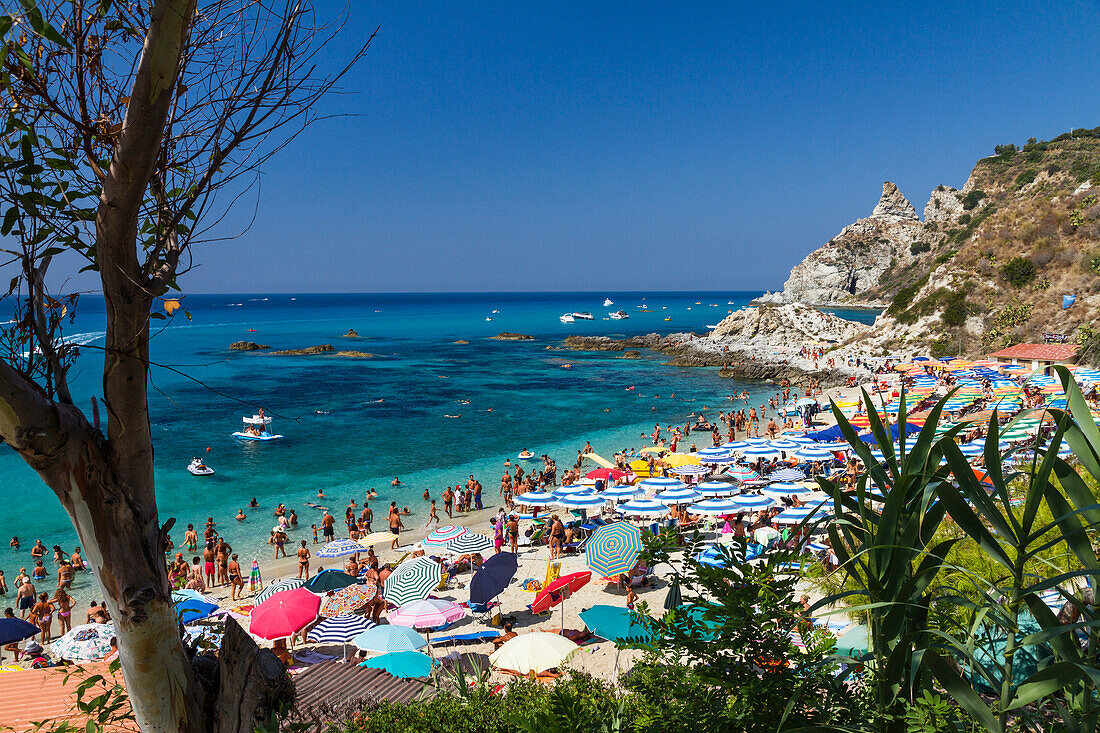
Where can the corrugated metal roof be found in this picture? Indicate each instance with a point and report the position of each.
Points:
(36, 695)
(341, 682)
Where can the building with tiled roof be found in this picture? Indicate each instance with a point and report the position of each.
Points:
(1037, 356)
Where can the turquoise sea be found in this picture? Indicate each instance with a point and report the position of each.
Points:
(353, 424)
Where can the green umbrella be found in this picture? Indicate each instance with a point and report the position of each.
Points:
(854, 643)
(402, 664)
(990, 653)
(616, 625)
(327, 580)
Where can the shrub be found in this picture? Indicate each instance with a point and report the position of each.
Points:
(964, 219)
(972, 199)
(905, 297)
(918, 247)
(1018, 271)
(955, 309)
(1025, 177)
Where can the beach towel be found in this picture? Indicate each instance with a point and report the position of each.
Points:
(306, 656)
(255, 582)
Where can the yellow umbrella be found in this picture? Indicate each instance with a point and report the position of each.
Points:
(533, 652)
(682, 459)
(653, 449)
(640, 468)
(376, 538)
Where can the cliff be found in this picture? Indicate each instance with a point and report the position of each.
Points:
(784, 325)
(990, 263)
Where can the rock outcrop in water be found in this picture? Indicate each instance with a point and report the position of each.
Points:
(854, 260)
(508, 336)
(247, 346)
(351, 334)
(308, 351)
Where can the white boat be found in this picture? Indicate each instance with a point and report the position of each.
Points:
(607, 302)
(618, 315)
(257, 427)
(583, 315)
(495, 310)
(566, 318)
(198, 468)
(712, 326)
(487, 318)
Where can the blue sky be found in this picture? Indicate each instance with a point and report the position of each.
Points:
(564, 146)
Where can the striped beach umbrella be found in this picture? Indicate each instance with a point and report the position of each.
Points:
(86, 643)
(787, 474)
(389, 638)
(468, 543)
(752, 501)
(716, 507)
(759, 451)
(582, 501)
(536, 498)
(972, 450)
(441, 536)
(644, 507)
(413, 580)
(742, 473)
(426, 614)
(719, 458)
(814, 454)
(346, 600)
(339, 629)
(690, 470)
(737, 445)
(784, 445)
(340, 548)
(278, 585)
(659, 483)
(716, 488)
(622, 492)
(376, 538)
(572, 490)
(717, 451)
(613, 549)
(794, 515)
(678, 496)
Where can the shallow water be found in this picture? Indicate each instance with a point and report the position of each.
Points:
(351, 424)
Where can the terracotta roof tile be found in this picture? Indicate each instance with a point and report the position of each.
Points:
(36, 695)
(1039, 352)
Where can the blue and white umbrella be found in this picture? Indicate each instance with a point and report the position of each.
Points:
(573, 489)
(660, 483)
(339, 629)
(742, 473)
(719, 458)
(340, 548)
(972, 449)
(582, 501)
(782, 491)
(716, 507)
(784, 445)
(759, 451)
(716, 488)
(801, 439)
(757, 441)
(536, 498)
(737, 445)
(619, 493)
(787, 474)
(711, 452)
(645, 507)
(794, 515)
(678, 496)
(752, 501)
(690, 470)
(814, 454)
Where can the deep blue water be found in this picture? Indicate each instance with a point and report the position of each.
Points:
(351, 424)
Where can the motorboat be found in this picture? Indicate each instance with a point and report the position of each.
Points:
(257, 427)
(618, 315)
(583, 315)
(487, 318)
(607, 302)
(198, 468)
(669, 318)
(712, 326)
(566, 318)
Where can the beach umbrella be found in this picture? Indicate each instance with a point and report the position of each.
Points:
(441, 536)
(469, 543)
(690, 470)
(681, 459)
(536, 498)
(572, 489)
(284, 613)
(752, 501)
(85, 643)
(340, 548)
(794, 515)
(622, 492)
(742, 473)
(376, 538)
(558, 590)
(326, 580)
(278, 586)
(643, 507)
(339, 629)
(783, 491)
(533, 652)
(582, 501)
(737, 445)
(784, 445)
(16, 629)
(713, 460)
(759, 451)
(616, 624)
(678, 496)
(716, 488)
(716, 451)
(757, 441)
(189, 610)
(389, 638)
(346, 600)
(402, 664)
(413, 580)
(814, 454)
(787, 474)
(613, 549)
(493, 577)
(426, 614)
(716, 507)
(972, 450)
(659, 483)
(605, 474)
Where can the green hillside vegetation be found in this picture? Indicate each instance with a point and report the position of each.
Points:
(995, 274)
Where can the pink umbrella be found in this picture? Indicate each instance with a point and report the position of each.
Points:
(284, 613)
(426, 614)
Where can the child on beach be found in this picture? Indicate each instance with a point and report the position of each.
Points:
(314, 528)
(432, 515)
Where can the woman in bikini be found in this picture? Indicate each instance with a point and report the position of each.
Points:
(42, 616)
(303, 561)
(64, 610)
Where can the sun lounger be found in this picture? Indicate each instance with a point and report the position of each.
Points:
(472, 637)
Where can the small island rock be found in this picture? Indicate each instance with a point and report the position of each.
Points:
(508, 336)
(247, 346)
(308, 351)
(351, 334)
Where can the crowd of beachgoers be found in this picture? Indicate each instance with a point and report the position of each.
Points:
(737, 471)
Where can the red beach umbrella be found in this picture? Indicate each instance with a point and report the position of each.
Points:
(602, 474)
(559, 590)
(284, 613)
